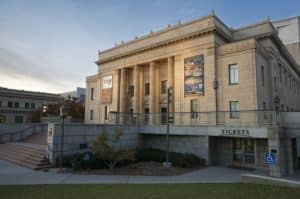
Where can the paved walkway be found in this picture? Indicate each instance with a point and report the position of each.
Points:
(12, 174)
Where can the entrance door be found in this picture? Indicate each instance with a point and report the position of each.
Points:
(243, 152)
(296, 164)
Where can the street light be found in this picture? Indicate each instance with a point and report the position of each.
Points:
(167, 163)
(64, 110)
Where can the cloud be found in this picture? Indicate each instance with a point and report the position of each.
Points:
(16, 66)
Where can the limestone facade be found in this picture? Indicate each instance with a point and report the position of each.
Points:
(132, 76)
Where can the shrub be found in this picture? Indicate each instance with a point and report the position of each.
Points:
(185, 160)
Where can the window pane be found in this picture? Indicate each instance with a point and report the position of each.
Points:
(234, 109)
(233, 74)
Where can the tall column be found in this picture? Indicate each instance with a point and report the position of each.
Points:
(171, 81)
(136, 84)
(141, 90)
(123, 90)
(152, 100)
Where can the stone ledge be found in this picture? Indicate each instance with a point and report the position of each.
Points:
(258, 179)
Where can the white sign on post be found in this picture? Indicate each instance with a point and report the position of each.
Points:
(107, 82)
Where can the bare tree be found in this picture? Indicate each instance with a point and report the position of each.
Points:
(110, 150)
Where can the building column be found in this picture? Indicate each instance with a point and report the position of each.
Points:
(152, 100)
(171, 81)
(136, 84)
(123, 91)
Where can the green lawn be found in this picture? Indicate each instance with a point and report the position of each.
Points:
(172, 191)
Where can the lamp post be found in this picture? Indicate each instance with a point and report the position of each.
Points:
(64, 110)
(167, 163)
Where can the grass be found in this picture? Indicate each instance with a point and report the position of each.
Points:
(165, 191)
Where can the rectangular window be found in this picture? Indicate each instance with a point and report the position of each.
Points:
(263, 75)
(16, 104)
(234, 109)
(280, 73)
(233, 74)
(275, 84)
(0, 104)
(91, 114)
(32, 105)
(147, 89)
(130, 90)
(264, 108)
(163, 87)
(26, 105)
(194, 109)
(92, 93)
(106, 113)
(10, 104)
(163, 112)
(18, 119)
(146, 118)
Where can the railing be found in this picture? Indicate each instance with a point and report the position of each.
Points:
(222, 118)
(19, 134)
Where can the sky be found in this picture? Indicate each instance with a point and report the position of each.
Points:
(51, 46)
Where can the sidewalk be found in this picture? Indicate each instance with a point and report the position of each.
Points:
(11, 174)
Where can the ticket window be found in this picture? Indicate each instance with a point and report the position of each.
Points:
(243, 151)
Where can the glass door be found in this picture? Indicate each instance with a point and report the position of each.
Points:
(243, 151)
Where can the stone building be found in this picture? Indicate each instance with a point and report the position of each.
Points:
(226, 84)
(17, 105)
(289, 32)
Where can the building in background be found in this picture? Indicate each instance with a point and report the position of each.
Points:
(17, 106)
(289, 32)
(78, 95)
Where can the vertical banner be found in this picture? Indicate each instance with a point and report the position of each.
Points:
(107, 89)
(194, 75)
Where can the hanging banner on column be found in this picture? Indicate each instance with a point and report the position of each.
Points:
(194, 75)
(107, 82)
(107, 89)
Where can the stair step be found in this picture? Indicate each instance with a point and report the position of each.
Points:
(24, 153)
(21, 156)
(28, 155)
(24, 162)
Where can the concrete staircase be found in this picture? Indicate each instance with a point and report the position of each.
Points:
(32, 153)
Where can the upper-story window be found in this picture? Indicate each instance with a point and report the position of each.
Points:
(233, 74)
(275, 84)
(10, 104)
(147, 88)
(262, 75)
(164, 87)
(26, 105)
(32, 105)
(130, 91)
(16, 104)
(234, 107)
(92, 93)
(194, 109)
(91, 114)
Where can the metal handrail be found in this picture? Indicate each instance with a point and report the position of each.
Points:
(246, 118)
(13, 134)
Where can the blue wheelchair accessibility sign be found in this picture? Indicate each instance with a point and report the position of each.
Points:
(270, 158)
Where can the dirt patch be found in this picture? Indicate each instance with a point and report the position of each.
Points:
(141, 168)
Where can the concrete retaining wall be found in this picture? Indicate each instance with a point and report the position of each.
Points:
(78, 135)
(197, 145)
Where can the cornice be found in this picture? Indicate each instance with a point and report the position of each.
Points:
(159, 45)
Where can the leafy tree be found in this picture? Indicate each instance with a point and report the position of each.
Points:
(110, 150)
